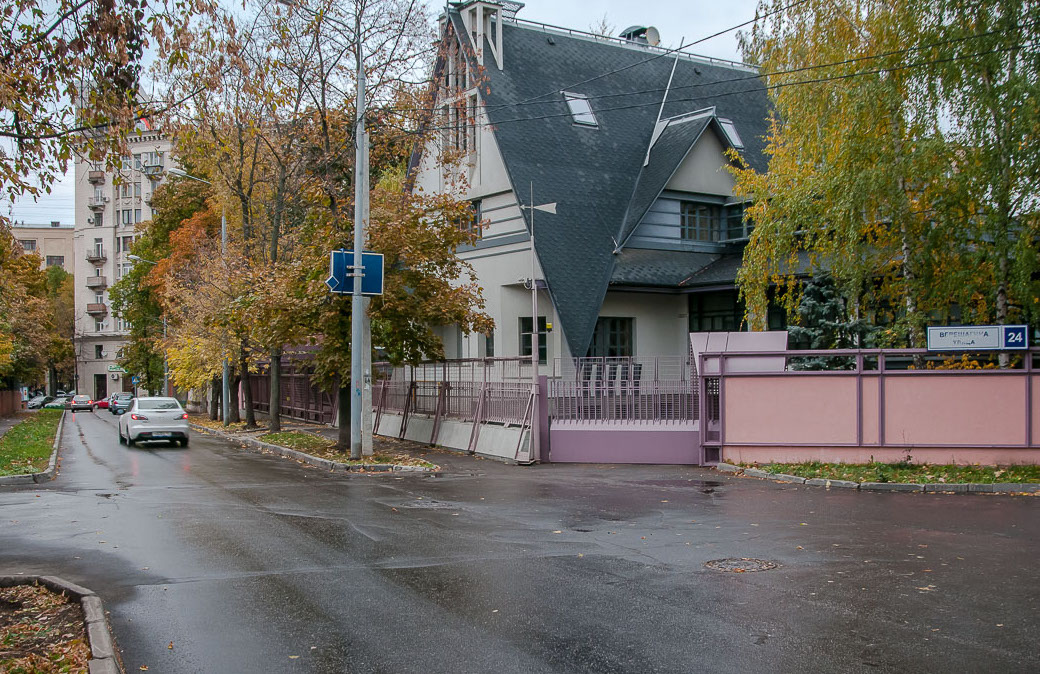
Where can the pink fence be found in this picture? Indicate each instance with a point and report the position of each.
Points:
(623, 390)
(871, 404)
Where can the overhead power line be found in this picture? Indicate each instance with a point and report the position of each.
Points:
(780, 85)
(666, 52)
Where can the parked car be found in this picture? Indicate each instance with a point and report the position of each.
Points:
(101, 404)
(81, 402)
(120, 402)
(38, 402)
(59, 403)
(154, 419)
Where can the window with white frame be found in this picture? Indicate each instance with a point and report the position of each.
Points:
(28, 245)
(581, 109)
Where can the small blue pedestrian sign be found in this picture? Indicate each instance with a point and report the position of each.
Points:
(1014, 337)
(135, 380)
(341, 281)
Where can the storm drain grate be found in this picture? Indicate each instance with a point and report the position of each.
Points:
(741, 565)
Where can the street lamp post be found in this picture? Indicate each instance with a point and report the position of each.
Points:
(536, 440)
(226, 374)
(166, 359)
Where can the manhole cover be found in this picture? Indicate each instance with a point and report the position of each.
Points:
(741, 565)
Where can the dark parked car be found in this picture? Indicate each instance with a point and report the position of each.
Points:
(120, 402)
(38, 402)
(81, 402)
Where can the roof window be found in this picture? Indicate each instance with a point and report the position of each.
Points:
(731, 133)
(580, 109)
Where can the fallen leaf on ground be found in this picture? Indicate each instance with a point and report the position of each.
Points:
(557, 532)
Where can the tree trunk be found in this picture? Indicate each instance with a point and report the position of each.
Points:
(52, 381)
(1004, 359)
(233, 415)
(343, 438)
(214, 399)
(247, 389)
(275, 396)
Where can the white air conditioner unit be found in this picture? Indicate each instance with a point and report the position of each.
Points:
(114, 376)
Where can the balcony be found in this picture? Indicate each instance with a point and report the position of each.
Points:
(97, 309)
(96, 256)
(96, 177)
(153, 171)
(97, 282)
(97, 203)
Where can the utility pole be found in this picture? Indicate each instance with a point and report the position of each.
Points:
(535, 444)
(226, 382)
(357, 305)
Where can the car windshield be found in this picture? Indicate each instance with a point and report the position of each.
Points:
(122, 396)
(158, 404)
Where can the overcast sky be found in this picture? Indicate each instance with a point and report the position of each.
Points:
(677, 21)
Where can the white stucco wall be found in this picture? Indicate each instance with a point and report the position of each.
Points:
(704, 170)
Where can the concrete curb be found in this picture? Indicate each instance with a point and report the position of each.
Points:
(329, 465)
(52, 464)
(103, 654)
(931, 488)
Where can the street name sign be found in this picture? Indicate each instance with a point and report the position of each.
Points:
(978, 338)
(341, 264)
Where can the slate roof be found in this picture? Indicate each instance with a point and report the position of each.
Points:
(658, 268)
(595, 174)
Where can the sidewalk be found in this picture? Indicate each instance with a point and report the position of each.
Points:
(380, 444)
(7, 423)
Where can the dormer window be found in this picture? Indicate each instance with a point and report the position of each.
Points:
(730, 130)
(580, 109)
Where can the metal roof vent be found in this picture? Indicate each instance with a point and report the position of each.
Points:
(642, 35)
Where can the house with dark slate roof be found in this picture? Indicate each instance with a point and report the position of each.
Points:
(629, 141)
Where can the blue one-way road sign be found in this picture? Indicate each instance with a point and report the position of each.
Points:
(341, 281)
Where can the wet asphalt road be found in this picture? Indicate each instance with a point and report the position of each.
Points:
(251, 563)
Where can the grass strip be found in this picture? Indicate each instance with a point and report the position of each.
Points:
(324, 448)
(912, 473)
(27, 447)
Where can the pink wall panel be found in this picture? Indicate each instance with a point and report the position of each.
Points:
(976, 409)
(790, 409)
(870, 405)
(1036, 409)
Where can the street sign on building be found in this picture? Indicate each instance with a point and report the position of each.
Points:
(978, 338)
(341, 264)
(116, 368)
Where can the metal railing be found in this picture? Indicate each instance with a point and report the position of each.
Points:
(630, 390)
(480, 390)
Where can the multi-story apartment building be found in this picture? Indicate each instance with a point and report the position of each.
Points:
(53, 242)
(109, 207)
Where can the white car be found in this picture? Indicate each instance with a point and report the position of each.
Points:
(154, 419)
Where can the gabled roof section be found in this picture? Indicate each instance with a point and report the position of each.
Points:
(673, 142)
(594, 173)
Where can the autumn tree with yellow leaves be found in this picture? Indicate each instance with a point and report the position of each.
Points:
(899, 160)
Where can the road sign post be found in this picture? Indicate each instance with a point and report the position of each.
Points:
(342, 273)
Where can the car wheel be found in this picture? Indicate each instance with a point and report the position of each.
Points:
(129, 440)
(120, 433)
(184, 442)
